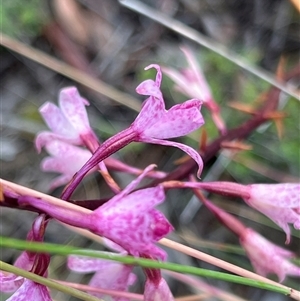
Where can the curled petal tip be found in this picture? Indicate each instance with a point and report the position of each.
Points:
(157, 67)
(150, 167)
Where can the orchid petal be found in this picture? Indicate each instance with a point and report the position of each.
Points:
(132, 223)
(280, 202)
(151, 113)
(154, 196)
(285, 195)
(158, 77)
(73, 106)
(43, 138)
(170, 125)
(190, 151)
(85, 264)
(116, 276)
(148, 87)
(109, 275)
(9, 282)
(66, 159)
(30, 290)
(194, 67)
(62, 149)
(266, 257)
(133, 184)
(56, 120)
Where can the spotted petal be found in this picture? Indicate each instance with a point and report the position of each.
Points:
(266, 257)
(73, 107)
(30, 290)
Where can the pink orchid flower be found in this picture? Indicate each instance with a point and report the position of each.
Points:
(69, 126)
(128, 219)
(108, 275)
(192, 83)
(279, 202)
(154, 124)
(68, 122)
(267, 257)
(28, 261)
(157, 291)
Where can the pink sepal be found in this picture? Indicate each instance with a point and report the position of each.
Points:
(267, 257)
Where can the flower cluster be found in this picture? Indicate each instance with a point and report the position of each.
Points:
(154, 124)
(129, 221)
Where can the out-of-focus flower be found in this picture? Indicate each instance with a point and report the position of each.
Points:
(157, 291)
(191, 82)
(266, 257)
(128, 219)
(9, 282)
(279, 202)
(65, 159)
(108, 274)
(30, 290)
(68, 122)
(34, 262)
(154, 124)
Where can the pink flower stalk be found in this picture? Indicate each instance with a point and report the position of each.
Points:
(108, 274)
(192, 83)
(29, 261)
(30, 290)
(279, 202)
(68, 122)
(128, 219)
(154, 124)
(267, 257)
(157, 291)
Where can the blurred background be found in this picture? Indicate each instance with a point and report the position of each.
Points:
(112, 43)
